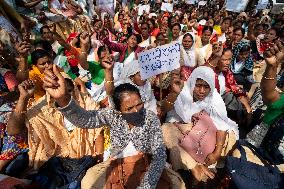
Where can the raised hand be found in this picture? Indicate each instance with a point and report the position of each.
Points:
(54, 84)
(85, 41)
(23, 48)
(274, 55)
(176, 84)
(26, 89)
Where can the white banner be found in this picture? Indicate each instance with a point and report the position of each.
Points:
(236, 5)
(191, 2)
(159, 60)
(167, 7)
(142, 8)
(202, 3)
(262, 4)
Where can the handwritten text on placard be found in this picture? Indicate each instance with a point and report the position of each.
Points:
(159, 60)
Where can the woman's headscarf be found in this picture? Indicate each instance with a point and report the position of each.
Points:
(248, 64)
(188, 56)
(146, 92)
(213, 104)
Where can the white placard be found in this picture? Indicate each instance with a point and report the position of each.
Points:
(202, 3)
(159, 60)
(236, 5)
(106, 5)
(191, 2)
(167, 7)
(262, 4)
(142, 8)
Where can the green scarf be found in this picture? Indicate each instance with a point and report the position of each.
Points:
(274, 111)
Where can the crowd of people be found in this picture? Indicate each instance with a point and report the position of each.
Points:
(75, 111)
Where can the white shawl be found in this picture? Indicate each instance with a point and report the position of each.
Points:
(213, 104)
(189, 56)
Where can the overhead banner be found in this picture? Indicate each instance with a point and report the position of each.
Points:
(159, 60)
(236, 5)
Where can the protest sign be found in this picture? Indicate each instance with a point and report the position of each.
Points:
(167, 7)
(159, 60)
(142, 8)
(202, 3)
(191, 2)
(262, 4)
(236, 5)
(106, 5)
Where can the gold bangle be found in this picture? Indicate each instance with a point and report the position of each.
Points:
(169, 102)
(108, 81)
(269, 78)
(83, 52)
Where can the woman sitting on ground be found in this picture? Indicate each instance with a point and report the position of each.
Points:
(197, 100)
(134, 132)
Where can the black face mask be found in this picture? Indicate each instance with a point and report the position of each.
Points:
(135, 118)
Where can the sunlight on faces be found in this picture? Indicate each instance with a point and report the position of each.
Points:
(130, 102)
(201, 90)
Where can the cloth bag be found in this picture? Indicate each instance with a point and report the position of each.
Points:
(201, 139)
(250, 175)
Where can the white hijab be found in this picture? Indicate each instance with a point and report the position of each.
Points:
(189, 56)
(213, 104)
(146, 92)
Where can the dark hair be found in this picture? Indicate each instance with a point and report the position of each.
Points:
(42, 28)
(207, 28)
(188, 35)
(138, 37)
(225, 50)
(240, 29)
(37, 54)
(176, 24)
(145, 23)
(119, 90)
(44, 44)
(102, 49)
(227, 18)
(152, 21)
(245, 48)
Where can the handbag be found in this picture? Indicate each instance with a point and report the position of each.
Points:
(245, 174)
(201, 139)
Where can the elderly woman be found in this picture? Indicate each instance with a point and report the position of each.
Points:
(189, 56)
(135, 132)
(197, 103)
